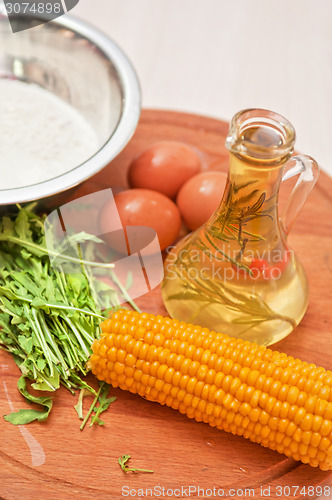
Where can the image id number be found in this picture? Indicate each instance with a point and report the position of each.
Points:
(34, 8)
(305, 491)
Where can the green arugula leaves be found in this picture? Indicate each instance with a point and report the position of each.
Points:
(104, 403)
(26, 416)
(48, 318)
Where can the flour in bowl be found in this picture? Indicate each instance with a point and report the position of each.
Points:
(41, 136)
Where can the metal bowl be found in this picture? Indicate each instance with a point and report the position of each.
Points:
(86, 69)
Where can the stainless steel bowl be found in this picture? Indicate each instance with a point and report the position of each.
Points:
(88, 70)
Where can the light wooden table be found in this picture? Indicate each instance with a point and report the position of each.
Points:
(215, 57)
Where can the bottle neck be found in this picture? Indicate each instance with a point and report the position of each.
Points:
(254, 176)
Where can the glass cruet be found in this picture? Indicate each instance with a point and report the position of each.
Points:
(236, 274)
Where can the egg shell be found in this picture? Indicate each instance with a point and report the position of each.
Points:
(200, 197)
(147, 208)
(164, 166)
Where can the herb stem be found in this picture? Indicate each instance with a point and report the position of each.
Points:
(63, 307)
(39, 334)
(87, 274)
(64, 335)
(78, 336)
(44, 379)
(49, 252)
(91, 408)
(51, 341)
(241, 266)
(125, 293)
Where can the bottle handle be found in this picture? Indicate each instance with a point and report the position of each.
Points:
(308, 171)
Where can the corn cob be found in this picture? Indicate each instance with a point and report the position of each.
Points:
(238, 386)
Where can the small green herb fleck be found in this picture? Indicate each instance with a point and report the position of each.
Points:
(123, 461)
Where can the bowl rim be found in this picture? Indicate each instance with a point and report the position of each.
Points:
(131, 109)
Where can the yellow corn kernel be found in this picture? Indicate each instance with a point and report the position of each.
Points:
(266, 396)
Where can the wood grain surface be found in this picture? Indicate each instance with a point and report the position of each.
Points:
(55, 460)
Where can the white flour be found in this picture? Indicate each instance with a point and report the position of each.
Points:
(41, 136)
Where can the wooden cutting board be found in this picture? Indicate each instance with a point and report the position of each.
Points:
(55, 460)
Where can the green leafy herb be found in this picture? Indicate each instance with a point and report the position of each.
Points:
(91, 409)
(79, 406)
(48, 318)
(22, 417)
(104, 403)
(123, 461)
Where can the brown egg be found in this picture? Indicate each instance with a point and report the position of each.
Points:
(147, 208)
(165, 167)
(200, 197)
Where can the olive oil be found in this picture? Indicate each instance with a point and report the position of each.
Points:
(236, 274)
